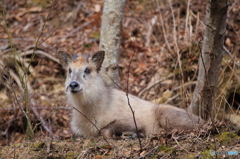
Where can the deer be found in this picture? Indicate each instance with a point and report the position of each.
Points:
(102, 110)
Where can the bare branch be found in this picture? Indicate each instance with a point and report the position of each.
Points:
(134, 119)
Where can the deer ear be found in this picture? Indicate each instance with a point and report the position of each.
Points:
(98, 58)
(64, 58)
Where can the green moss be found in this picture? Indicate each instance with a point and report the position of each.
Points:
(212, 146)
(190, 156)
(71, 154)
(227, 137)
(38, 145)
(165, 149)
(206, 155)
(56, 156)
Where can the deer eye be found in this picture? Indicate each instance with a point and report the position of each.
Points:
(87, 70)
(69, 70)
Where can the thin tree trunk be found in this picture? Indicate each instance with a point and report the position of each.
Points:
(203, 102)
(111, 39)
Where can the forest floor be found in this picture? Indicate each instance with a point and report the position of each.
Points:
(154, 35)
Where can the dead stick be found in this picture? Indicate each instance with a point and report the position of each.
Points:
(134, 119)
(91, 123)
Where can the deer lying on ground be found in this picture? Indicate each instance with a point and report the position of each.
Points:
(108, 107)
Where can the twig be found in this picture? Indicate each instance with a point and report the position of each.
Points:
(86, 118)
(134, 119)
(116, 83)
(48, 36)
(38, 43)
(40, 52)
(187, 18)
(176, 46)
(185, 85)
(165, 34)
(171, 98)
(16, 79)
(143, 156)
(202, 23)
(91, 123)
(226, 51)
(44, 24)
(178, 143)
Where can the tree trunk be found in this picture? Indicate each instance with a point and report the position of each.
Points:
(203, 102)
(111, 39)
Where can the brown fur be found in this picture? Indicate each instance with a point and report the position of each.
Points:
(108, 108)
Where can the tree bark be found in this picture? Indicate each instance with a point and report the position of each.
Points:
(110, 39)
(203, 102)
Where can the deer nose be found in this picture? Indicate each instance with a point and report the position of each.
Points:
(74, 86)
